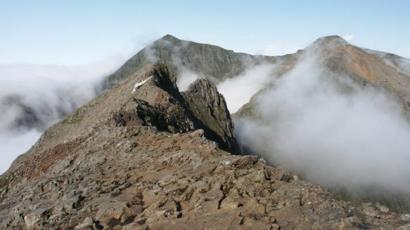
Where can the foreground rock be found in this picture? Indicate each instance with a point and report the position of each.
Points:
(145, 156)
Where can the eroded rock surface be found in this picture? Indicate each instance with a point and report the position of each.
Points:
(209, 106)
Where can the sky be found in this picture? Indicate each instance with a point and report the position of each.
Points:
(82, 32)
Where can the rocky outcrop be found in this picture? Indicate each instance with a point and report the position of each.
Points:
(209, 107)
(201, 107)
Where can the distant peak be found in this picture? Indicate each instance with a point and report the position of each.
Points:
(170, 37)
(331, 40)
(328, 43)
(332, 37)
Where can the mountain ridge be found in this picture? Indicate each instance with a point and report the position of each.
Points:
(143, 154)
(132, 159)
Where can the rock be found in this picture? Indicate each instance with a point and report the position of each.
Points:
(199, 108)
(141, 220)
(382, 208)
(245, 161)
(134, 226)
(275, 227)
(198, 133)
(32, 219)
(87, 223)
(149, 198)
(405, 217)
(72, 201)
(109, 213)
(404, 227)
(370, 211)
(209, 107)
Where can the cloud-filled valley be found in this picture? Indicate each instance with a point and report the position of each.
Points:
(331, 130)
(33, 97)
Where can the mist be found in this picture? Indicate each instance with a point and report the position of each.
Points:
(240, 89)
(237, 90)
(326, 127)
(185, 78)
(33, 97)
(331, 130)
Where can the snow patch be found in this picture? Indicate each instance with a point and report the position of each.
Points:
(141, 83)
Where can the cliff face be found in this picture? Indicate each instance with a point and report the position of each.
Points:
(209, 106)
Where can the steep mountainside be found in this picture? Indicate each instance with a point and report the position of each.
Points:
(341, 57)
(400, 63)
(212, 62)
(364, 67)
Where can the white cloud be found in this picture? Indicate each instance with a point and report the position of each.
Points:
(239, 90)
(348, 37)
(185, 78)
(12, 145)
(43, 92)
(331, 131)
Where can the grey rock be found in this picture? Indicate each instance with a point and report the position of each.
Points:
(87, 223)
(405, 217)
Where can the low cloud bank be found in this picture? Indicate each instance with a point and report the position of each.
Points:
(239, 90)
(33, 97)
(332, 131)
(12, 145)
(185, 78)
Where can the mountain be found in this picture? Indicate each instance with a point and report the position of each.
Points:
(218, 64)
(145, 158)
(209, 61)
(401, 64)
(365, 67)
(379, 69)
(144, 155)
(340, 111)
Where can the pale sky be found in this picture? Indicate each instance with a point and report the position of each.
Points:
(81, 32)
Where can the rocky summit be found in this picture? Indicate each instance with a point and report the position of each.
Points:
(144, 155)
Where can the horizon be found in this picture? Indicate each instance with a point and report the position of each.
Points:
(92, 32)
(121, 59)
